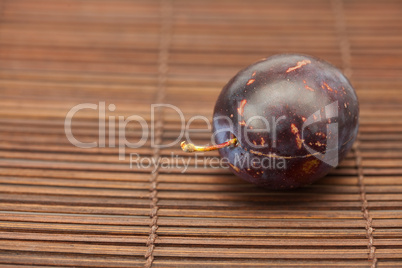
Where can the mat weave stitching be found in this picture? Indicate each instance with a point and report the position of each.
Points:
(164, 44)
(344, 45)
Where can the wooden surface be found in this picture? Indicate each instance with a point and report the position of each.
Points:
(66, 206)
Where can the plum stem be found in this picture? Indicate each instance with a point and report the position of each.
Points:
(189, 147)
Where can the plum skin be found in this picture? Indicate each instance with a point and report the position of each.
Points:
(284, 89)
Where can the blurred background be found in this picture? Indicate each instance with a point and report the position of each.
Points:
(67, 206)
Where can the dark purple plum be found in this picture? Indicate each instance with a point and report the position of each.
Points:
(289, 119)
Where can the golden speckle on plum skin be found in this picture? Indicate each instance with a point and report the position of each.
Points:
(250, 82)
(309, 88)
(240, 110)
(310, 165)
(262, 141)
(295, 131)
(327, 87)
(298, 65)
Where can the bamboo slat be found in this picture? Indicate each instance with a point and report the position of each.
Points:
(64, 206)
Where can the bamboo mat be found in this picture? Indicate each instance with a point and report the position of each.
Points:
(67, 206)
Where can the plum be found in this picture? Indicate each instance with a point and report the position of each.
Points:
(285, 121)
